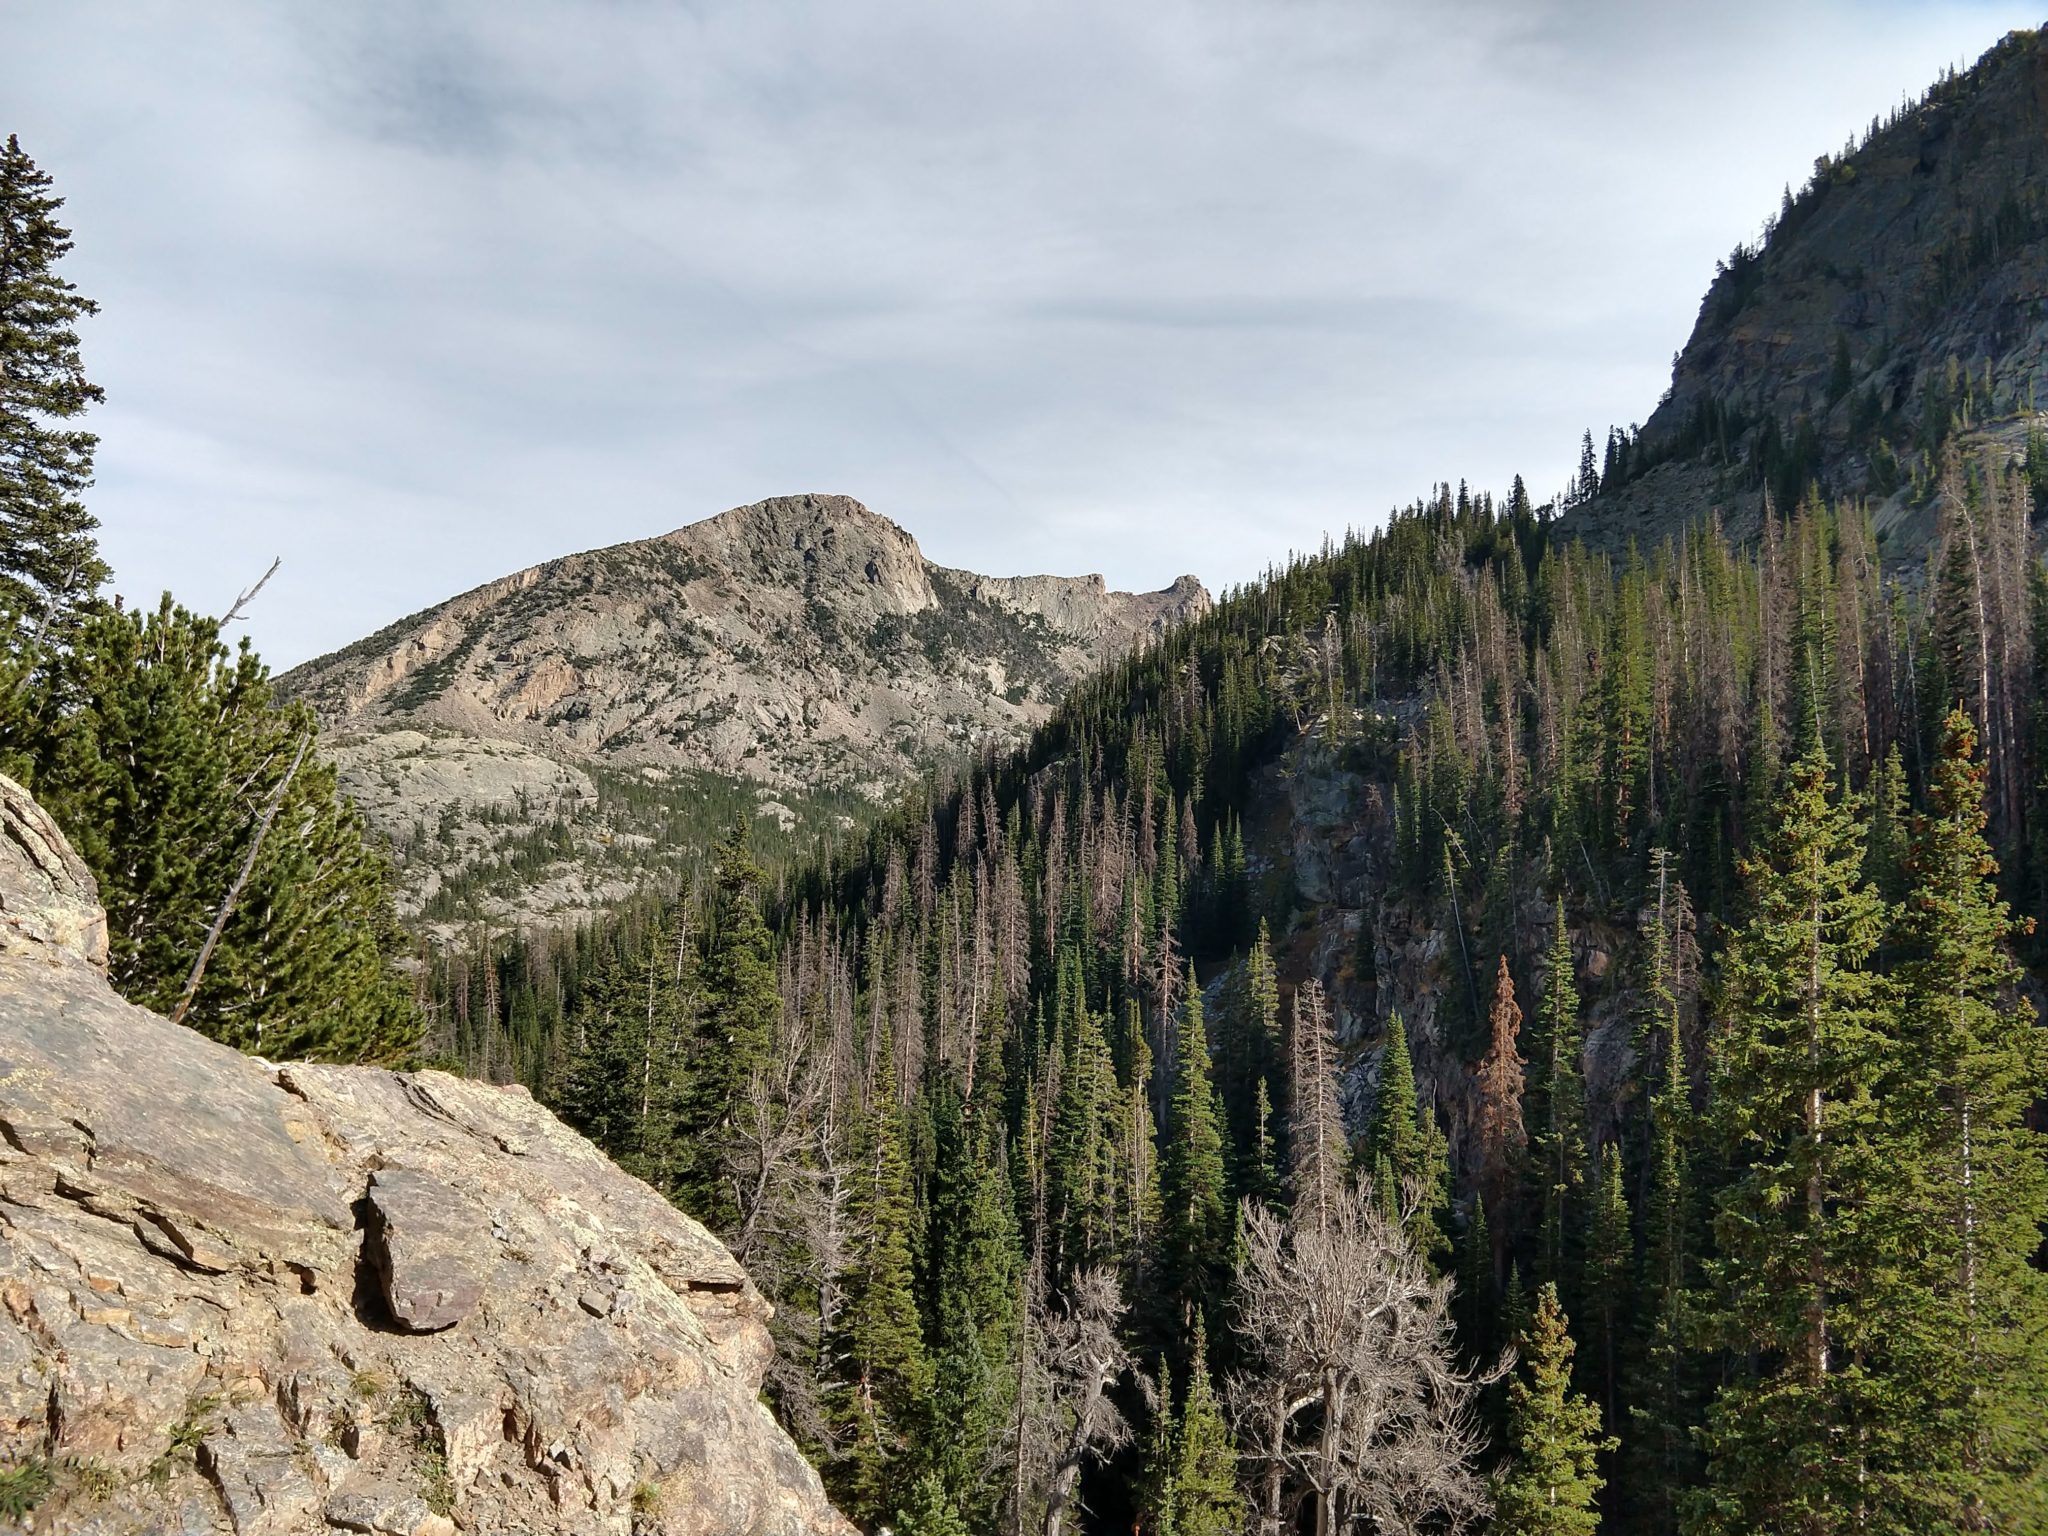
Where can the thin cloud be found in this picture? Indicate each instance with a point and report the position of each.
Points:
(417, 294)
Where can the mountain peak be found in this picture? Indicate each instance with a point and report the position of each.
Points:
(799, 644)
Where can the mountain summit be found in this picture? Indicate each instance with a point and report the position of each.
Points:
(798, 645)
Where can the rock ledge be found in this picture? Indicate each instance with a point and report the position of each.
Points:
(307, 1298)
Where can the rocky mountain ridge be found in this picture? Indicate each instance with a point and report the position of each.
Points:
(297, 1298)
(1898, 302)
(800, 645)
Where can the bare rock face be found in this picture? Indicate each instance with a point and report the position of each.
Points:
(301, 1298)
(796, 645)
(1911, 273)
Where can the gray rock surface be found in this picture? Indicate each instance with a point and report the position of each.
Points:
(799, 644)
(1921, 257)
(209, 1267)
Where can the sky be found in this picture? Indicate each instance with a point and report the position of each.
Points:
(413, 294)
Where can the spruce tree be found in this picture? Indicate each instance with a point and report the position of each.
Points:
(1206, 1500)
(1556, 1106)
(49, 559)
(1551, 1480)
(928, 1510)
(201, 808)
(882, 1371)
(1403, 1146)
(1964, 1207)
(1158, 1483)
(1610, 1261)
(1797, 1053)
(743, 1000)
(1195, 1219)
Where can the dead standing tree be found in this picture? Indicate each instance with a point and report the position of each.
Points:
(1355, 1404)
(1083, 1358)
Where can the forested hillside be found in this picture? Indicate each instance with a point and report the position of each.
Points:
(1671, 995)
(1483, 1028)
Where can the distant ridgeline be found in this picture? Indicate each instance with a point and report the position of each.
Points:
(537, 750)
(1895, 310)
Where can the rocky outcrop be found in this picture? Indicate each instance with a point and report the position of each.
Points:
(293, 1298)
(1319, 837)
(1909, 278)
(800, 644)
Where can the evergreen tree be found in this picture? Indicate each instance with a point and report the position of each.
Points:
(1610, 1258)
(1206, 1500)
(882, 1372)
(1556, 1104)
(1404, 1146)
(1664, 1403)
(49, 559)
(1797, 1054)
(929, 1511)
(624, 1079)
(1195, 1230)
(1159, 1480)
(202, 810)
(743, 1000)
(1551, 1480)
(1970, 1337)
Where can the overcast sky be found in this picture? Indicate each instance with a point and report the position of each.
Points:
(417, 294)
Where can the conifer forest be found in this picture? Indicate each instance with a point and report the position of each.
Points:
(1489, 1028)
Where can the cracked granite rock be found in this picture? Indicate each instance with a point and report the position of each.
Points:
(254, 1298)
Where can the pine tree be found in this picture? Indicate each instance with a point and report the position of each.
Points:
(1970, 1196)
(1158, 1487)
(1664, 1402)
(742, 1003)
(49, 559)
(1554, 1440)
(1610, 1259)
(929, 1510)
(1402, 1146)
(1795, 1059)
(1195, 1220)
(202, 809)
(882, 1372)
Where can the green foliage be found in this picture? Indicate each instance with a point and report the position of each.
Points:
(1795, 1063)
(1195, 1233)
(928, 1511)
(23, 1486)
(1403, 1146)
(166, 760)
(49, 559)
(1551, 1482)
(1556, 1112)
(1966, 1193)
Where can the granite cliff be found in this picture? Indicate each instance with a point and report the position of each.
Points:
(289, 1298)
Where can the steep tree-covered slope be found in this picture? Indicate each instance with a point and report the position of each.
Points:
(1460, 855)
